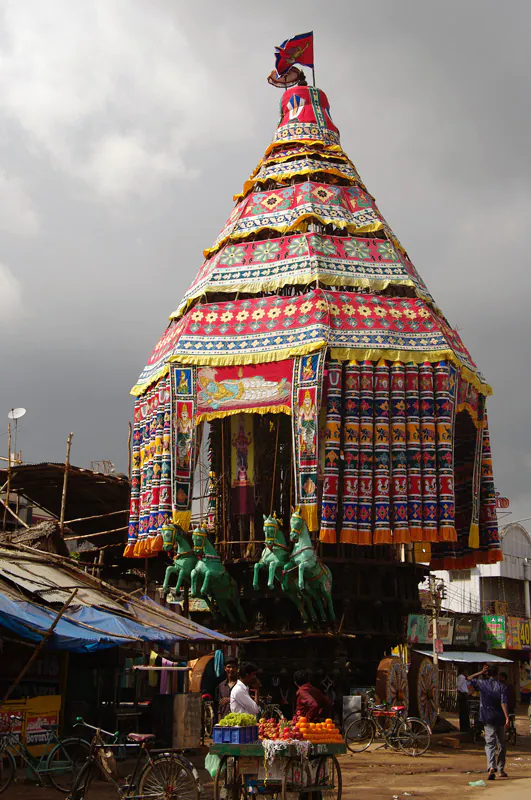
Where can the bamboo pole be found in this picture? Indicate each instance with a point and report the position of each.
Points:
(6, 508)
(91, 535)
(8, 472)
(38, 648)
(97, 516)
(65, 484)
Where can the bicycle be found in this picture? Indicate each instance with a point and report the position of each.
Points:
(60, 764)
(207, 716)
(510, 733)
(271, 710)
(476, 726)
(409, 734)
(157, 774)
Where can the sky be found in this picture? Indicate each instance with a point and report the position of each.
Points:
(126, 126)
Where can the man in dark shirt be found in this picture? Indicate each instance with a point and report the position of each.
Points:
(494, 714)
(311, 702)
(225, 687)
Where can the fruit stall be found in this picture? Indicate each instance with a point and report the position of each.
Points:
(272, 757)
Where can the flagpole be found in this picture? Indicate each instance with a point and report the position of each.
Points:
(313, 75)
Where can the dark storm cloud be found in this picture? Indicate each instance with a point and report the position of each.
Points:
(127, 126)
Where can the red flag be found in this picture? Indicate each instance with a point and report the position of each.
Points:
(298, 50)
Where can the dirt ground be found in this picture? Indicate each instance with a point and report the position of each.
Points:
(442, 773)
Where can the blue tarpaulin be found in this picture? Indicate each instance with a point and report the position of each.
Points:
(71, 633)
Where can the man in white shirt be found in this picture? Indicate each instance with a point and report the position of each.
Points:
(462, 700)
(240, 700)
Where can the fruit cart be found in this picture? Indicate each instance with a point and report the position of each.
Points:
(247, 769)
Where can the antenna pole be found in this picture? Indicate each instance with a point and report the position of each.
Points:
(8, 472)
(65, 484)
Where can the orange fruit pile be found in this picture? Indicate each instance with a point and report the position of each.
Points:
(319, 732)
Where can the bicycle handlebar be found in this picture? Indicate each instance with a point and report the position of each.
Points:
(80, 722)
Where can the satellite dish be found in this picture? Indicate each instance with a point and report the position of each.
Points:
(16, 413)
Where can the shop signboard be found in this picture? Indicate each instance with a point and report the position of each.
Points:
(494, 632)
(420, 629)
(467, 631)
(518, 633)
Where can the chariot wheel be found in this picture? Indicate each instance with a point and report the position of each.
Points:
(425, 689)
(391, 682)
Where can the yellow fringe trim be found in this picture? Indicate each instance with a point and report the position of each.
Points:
(473, 536)
(301, 278)
(309, 515)
(326, 536)
(314, 142)
(210, 415)
(447, 533)
(278, 159)
(301, 223)
(339, 353)
(383, 536)
(415, 534)
(315, 168)
(182, 518)
(473, 414)
(140, 388)
(348, 537)
(156, 544)
(129, 551)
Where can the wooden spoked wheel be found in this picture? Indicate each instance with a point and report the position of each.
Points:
(424, 690)
(391, 682)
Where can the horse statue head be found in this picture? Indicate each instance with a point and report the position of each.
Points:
(199, 538)
(272, 528)
(169, 532)
(298, 526)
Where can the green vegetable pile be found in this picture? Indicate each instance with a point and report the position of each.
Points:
(233, 720)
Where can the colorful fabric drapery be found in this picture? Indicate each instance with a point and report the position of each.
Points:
(306, 402)
(351, 449)
(382, 455)
(399, 465)
(242, 464)
(332, 453)
(473, 539)
(353, 325)
(445, 377)
(303, 258)
(184, 442)
(428, 454)
(262, 389)
(308, 120)
(150, 506)
(366, 455)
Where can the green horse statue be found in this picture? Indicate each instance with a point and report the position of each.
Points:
(210, 578)
(275, 556)
(313, 576)
(184, 559)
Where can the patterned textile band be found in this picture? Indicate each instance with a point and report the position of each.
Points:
(332, 453)
(185, 441)
(306, 402)
(300, 259)
(429, 458)
(399, 470)
(351, 445)
(284, 172)
(150, 506)
(446, 382)
(382, 506)
(355, 326)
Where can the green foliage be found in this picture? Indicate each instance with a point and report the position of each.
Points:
(233, 720)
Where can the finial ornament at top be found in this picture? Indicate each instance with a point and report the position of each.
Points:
(297, 50)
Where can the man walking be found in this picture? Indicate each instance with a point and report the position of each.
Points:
(494, 714)
(462, 699)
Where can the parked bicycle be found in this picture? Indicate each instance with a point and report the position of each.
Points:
(59, 763)
(207, 716)
(510, 733)
(270, 710)
(409, 734)
(157, 774)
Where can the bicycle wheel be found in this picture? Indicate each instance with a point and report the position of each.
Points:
(360, 734)
(80, 789)
(413, 736)
(296, 779)
(169, 776)
(7, 769)
(511, 735)
(272, 711)
(208, 719)
(229, 781)
(328, 780)
(65, 761)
